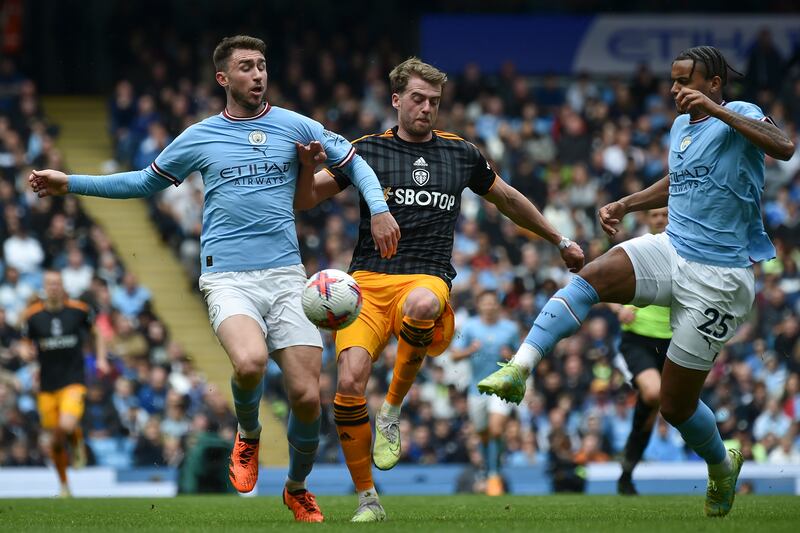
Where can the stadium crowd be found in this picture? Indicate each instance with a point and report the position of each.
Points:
(570, 144)
(153, 400)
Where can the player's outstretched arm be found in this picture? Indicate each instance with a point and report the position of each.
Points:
(653, 197)
(136, 184)
(762, 133)
(518, 208)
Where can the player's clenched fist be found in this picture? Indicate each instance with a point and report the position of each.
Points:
(610, 215)
(689, 100)
(385, 233)
(573, 257)
(48, 182)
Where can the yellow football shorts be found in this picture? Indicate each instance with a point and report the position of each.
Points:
(382, 312)
(67, 400)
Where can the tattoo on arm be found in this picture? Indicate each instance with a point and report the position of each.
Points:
(763, 134)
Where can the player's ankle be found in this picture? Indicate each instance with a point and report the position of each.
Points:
(527, 357)
(722, 469)
(390, 410)
(250, 433)
(369, 494)
(294, 486)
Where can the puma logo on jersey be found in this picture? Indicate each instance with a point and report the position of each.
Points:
(420, 198)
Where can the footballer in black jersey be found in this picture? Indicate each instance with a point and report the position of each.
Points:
(423, 173)
(58, 328)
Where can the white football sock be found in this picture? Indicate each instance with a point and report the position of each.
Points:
(722, 469)
(389, 409)
(369, 494)
(527, 357)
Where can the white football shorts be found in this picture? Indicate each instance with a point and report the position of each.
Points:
(480, 406)
(707, 303)
(272, 297)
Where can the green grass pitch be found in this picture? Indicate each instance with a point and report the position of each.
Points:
(585, 514)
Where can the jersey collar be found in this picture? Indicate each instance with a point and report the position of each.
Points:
(401, 141)
(230, 117)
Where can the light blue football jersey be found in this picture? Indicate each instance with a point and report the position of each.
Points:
(493, 337)
(249, 167)
(716, 177)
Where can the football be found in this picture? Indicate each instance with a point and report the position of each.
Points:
(331, 299)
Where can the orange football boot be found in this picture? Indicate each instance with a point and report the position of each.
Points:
(303, 504)
(243, 468)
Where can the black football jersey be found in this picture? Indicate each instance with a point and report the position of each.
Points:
(59, 337)
(422, 184)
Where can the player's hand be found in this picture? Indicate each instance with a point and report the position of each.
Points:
(48, 183)
(385, 233)
(573, 257)
(693, 101)
(611, 215)
(475, 346)
(506, 353)
(311, 154)
(626, 315)
(103, 367)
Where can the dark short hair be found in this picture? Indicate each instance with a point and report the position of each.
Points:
(712, 60)
(487, 292)
(227, 45)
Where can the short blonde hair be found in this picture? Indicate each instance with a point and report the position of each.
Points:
(413, 66)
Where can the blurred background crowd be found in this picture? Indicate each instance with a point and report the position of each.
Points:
(571, 144)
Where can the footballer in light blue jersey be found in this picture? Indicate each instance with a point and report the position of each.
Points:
(249, 157)
(491, 339)
(702, 269)
(716, 176)
(249, 167)
(487, 339)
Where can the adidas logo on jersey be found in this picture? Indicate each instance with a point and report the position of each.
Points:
(420, 162)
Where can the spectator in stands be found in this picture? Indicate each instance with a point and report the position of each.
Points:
(764, 67)
(21, 250)
(153, 394)
(130, 298)
(664, 445)
(772, 421)
(149, 450)
(14, 295)
(77, 275)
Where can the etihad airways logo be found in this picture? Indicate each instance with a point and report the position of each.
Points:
(688, 178)
(257, 173)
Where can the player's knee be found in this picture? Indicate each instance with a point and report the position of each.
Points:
(673, 412)
(67, 426)
(651, 397)
(350, 385)
(304, 403)
(422, 307)
(249, 371)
